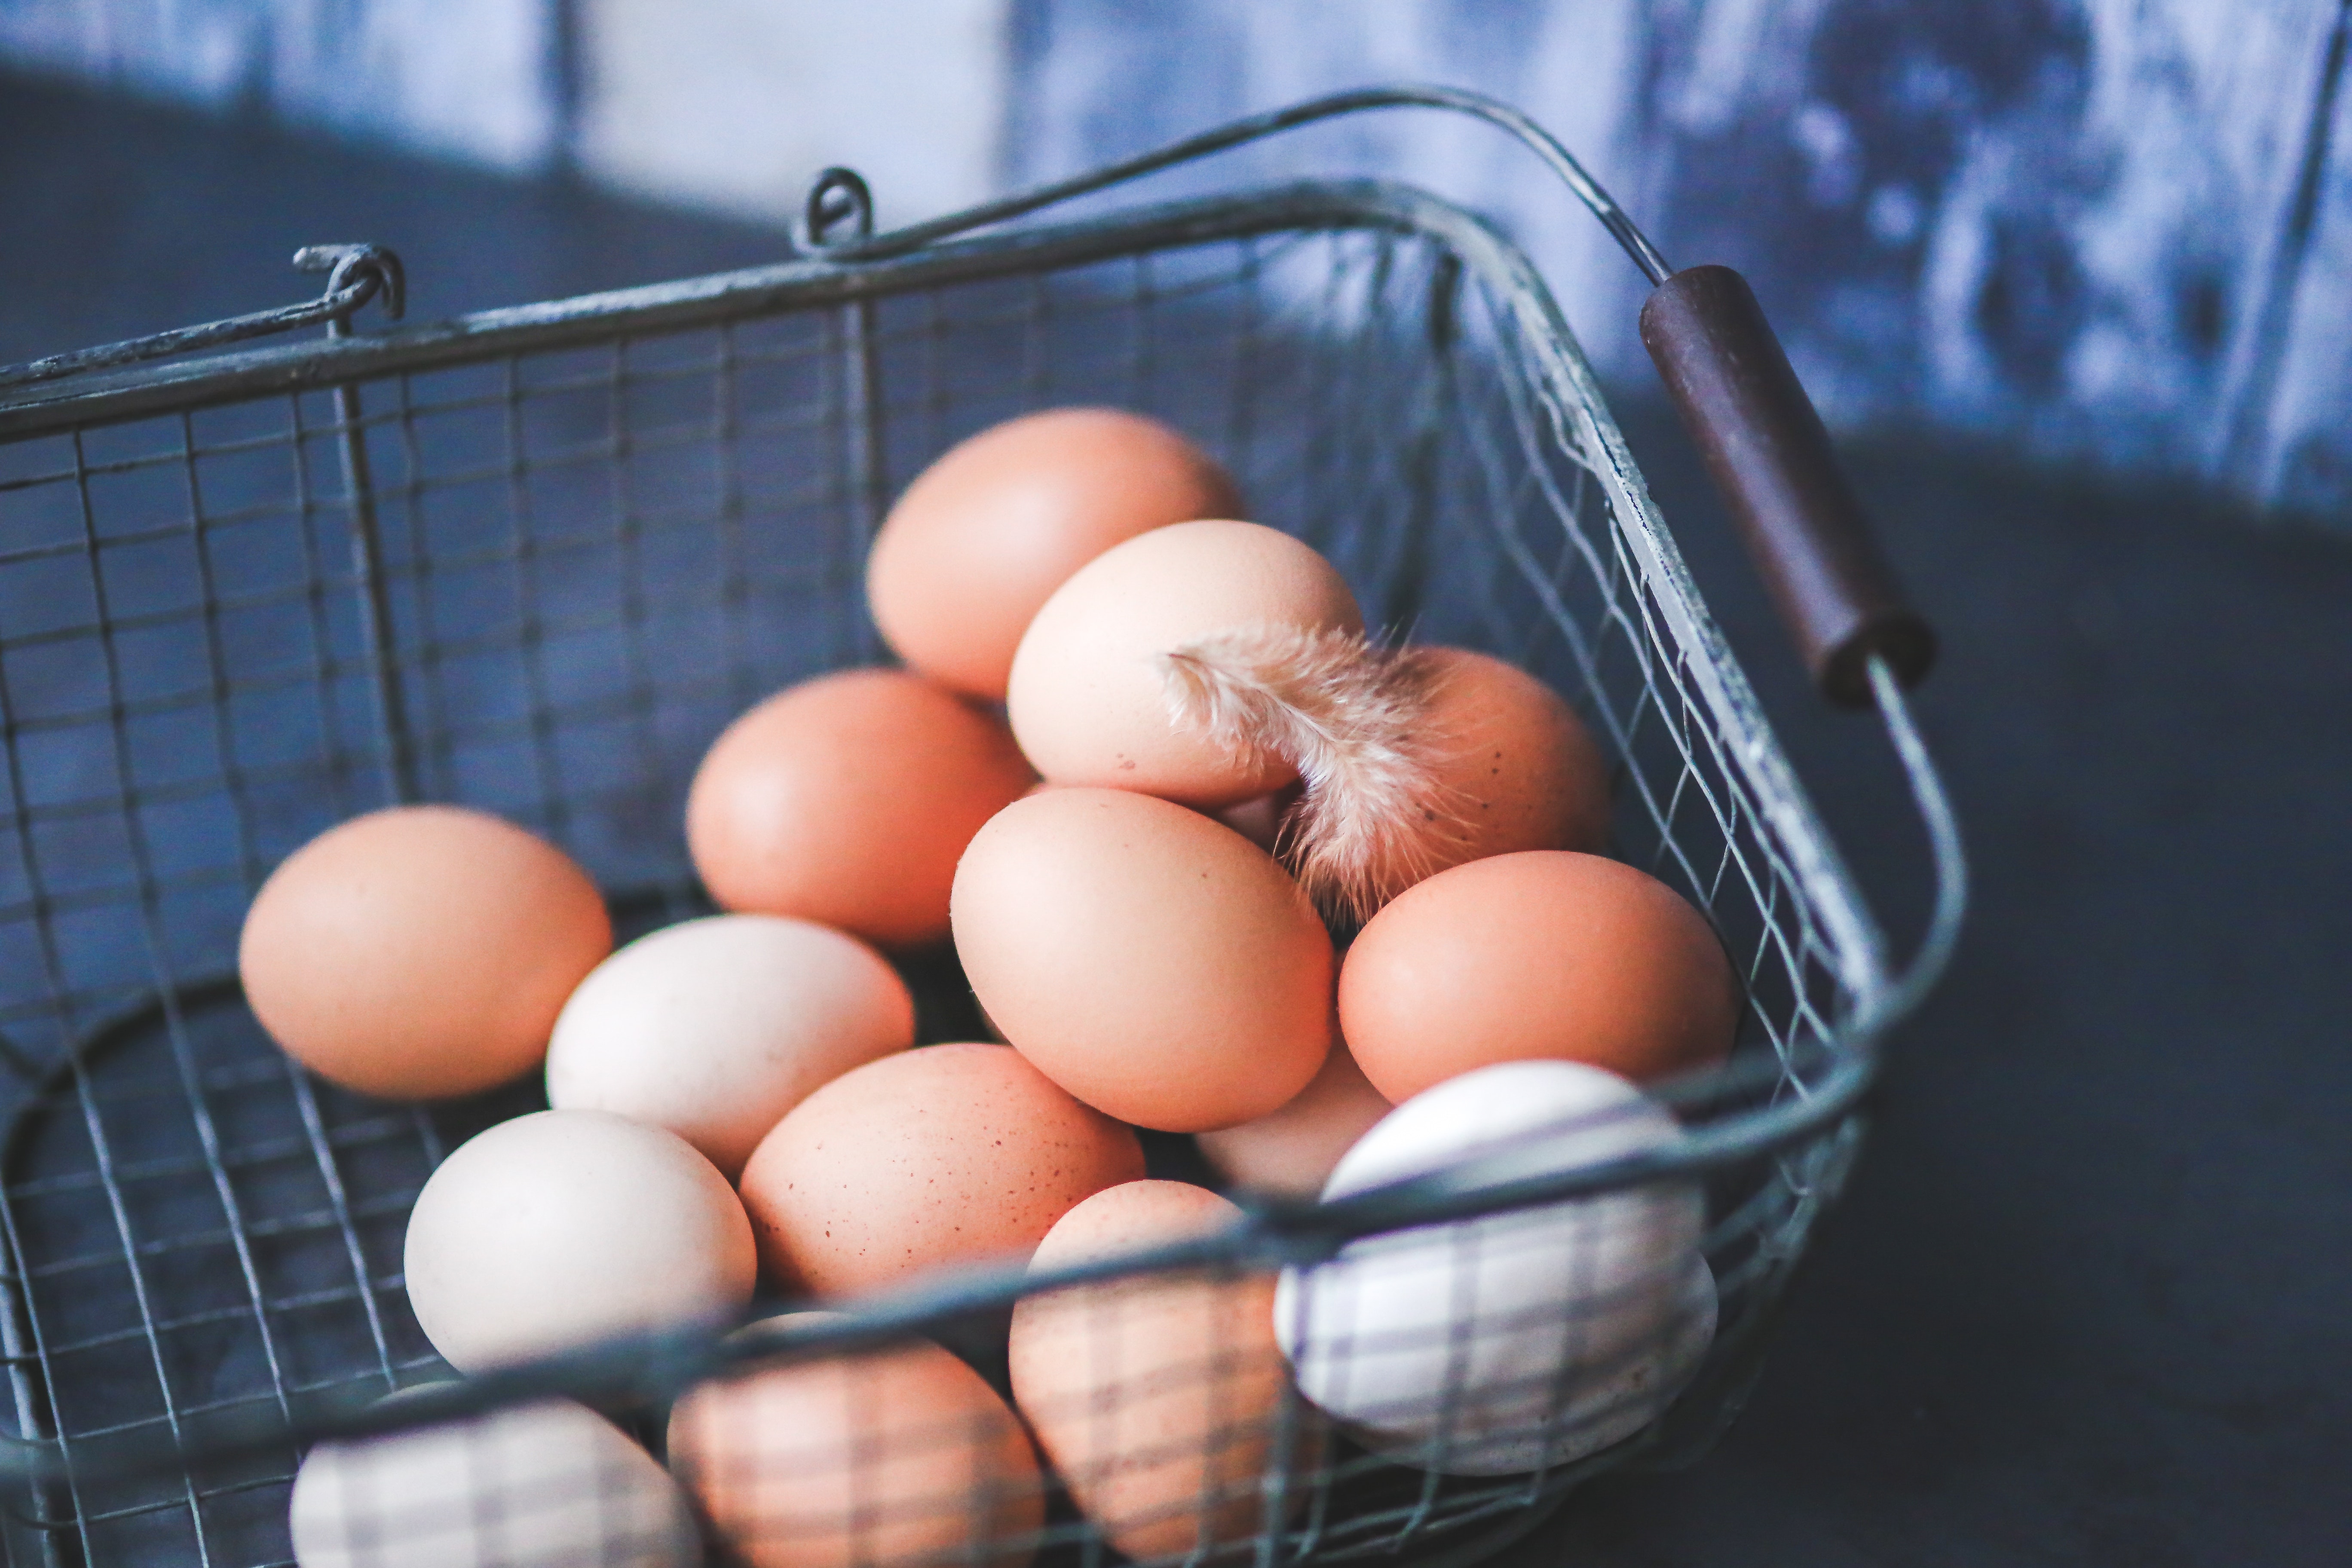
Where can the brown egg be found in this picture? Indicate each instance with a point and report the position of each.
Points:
(898, 1456)
(1291, 1152)
(958, 1153)
(1515, 768)
(987, 532)
(1541, 954)
(1087, 696)
(1159, 1398)
(847, 799)
(1155, 963)
(421, 952)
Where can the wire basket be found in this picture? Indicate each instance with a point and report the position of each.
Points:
(532, 561)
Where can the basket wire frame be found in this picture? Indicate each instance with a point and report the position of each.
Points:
(539, 581)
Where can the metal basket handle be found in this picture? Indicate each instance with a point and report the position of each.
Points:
(1769, 456)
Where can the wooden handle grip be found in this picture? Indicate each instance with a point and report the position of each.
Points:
(1766, 449)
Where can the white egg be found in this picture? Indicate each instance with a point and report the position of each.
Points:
(714, 1029)
(557, 1229)
(1494, 1345)
(547, 1484)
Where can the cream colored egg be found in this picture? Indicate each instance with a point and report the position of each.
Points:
(547, 1484)
(716, 1027)
(1088, 696)
(1292, 1152)
(557, 1229)
(1533, 1337)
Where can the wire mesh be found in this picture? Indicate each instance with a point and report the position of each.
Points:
(539, 583)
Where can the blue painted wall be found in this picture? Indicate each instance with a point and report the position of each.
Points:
(2118, 231)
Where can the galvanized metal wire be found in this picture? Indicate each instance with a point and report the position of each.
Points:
(533, 561)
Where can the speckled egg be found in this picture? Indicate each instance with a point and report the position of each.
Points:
(1512, 767)
(953, 1154)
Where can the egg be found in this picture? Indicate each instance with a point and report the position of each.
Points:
(1511, 767)
(531, 1486)
(1522, 1339)
(1544, 953)
(1154, 963)
(992, 527)
(421, 952)
(1291, 1152)
(847, 799)
(1158, 1397)
(716, 1027)
(554, 1230)
(953, 1154)
(875, 1459)
(1088, 698)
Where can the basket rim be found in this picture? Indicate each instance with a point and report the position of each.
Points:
(1571, 401)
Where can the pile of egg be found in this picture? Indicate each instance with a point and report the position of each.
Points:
(1126, 879)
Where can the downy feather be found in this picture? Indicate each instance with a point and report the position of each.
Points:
(1347, 713)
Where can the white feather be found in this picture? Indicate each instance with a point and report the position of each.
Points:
(1348, 714)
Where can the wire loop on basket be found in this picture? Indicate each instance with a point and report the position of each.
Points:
(839, 211)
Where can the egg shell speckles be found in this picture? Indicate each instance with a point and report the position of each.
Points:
(953, 1154)
(1514, 767)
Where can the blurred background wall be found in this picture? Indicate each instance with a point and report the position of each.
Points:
(2113, 230)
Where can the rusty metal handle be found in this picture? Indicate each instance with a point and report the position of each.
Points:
(1770, 459)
